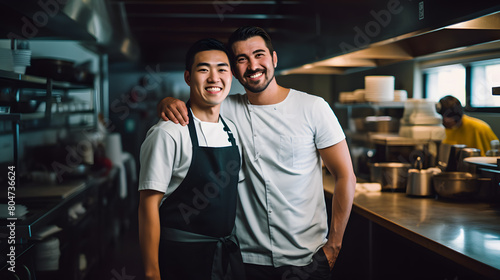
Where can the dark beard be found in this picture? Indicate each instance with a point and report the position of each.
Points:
(249, 87)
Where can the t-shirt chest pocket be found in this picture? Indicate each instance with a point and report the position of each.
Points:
(296, 151)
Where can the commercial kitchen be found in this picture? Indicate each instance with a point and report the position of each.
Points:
(80, 81)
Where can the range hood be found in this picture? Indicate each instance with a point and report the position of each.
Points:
(477, 35)
(91, 22)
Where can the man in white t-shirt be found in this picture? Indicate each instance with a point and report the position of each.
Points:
(282, 221)
(188, 181)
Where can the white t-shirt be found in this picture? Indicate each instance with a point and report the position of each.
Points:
(282, 219)
(166, 152)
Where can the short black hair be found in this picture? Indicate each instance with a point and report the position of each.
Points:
(245, 32)
(450, 107)
(206, 44)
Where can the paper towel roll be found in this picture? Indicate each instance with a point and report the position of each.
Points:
(114, 148)
(115, 154)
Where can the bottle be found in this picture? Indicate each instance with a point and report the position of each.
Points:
(493, 152)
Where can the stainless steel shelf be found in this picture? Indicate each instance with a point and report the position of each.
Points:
(22, 80)
(396, 140)
(388, 104)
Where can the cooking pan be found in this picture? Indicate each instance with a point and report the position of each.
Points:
(57, 69)
(23, 106)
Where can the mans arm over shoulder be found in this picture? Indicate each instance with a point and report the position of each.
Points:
(173, 109)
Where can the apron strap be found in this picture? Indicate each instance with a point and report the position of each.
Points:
(192, 129)
(229, 133)
(223, 246)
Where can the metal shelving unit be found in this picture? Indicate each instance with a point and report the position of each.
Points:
(18, 81)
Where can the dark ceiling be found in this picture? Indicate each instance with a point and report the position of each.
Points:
(302, 31)
(164, 29)
(158, 32)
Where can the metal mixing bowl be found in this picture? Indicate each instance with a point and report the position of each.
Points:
(393, 176)
(455, 185)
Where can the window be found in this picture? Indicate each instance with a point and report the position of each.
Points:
(471, 83)
(445, 80)
(484, 76)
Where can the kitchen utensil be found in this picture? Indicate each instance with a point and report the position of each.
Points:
(464, 153)
(393, 176)
(452, 163)
(455, 185)
(420, 182)
(494, 149)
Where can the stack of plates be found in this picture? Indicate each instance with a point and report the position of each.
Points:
(21, 59)
(400, 95)
(379, 88)
(347, 97)
(352, 96)
(6, 60)
(47, 254)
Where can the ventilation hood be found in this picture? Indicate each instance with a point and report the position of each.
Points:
(477, 35)
(90, 22)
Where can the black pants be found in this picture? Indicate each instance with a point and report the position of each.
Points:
(318, 269)
(186, 261)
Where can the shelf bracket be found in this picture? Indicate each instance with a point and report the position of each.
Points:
(48, 102)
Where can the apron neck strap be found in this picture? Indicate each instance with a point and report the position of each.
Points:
(192, 129)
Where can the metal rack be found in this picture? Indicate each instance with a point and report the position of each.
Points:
(15, 80)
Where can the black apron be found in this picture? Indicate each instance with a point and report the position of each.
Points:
(197, 220)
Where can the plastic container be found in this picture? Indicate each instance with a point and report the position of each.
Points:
(493, 152)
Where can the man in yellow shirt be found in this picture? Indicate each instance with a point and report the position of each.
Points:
(463, 129)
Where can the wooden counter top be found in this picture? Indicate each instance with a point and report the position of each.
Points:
(466, 232)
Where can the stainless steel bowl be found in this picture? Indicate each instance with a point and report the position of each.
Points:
(393, 176)
(455, 185)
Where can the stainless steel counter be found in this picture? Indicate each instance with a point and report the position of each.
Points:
(467, 233)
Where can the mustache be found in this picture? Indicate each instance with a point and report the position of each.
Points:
(251, 72)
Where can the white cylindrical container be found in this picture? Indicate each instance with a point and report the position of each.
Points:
(114, 148)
